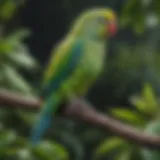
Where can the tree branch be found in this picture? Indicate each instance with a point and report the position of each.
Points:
(80, 110)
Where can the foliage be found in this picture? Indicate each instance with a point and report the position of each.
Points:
(146, 15)
(133, 60)
(14, 55)
(153, 128)
(146, 109)
(14, 60)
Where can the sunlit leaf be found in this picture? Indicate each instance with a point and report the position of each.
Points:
(147, 102)
(23, 59)
(5, 46)
(16, 80)
(50, 151)
(140, 104)
(24, 154)
(110, 145)
(149, 96)
(128, 116)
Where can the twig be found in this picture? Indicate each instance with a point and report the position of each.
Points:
(81, 110)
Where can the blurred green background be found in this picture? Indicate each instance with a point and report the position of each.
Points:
(129, 88)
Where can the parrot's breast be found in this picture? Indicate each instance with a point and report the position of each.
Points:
(90, 67)
(93, 60)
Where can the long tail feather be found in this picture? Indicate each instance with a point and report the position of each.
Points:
(45, 120)
(40, 127)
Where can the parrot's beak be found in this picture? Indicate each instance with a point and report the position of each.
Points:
(112, 28)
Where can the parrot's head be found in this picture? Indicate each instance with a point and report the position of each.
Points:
(97, 23)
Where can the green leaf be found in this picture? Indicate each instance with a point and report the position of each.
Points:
(6, 138)
(128, 116)
(13, 41)
(23, 59)
(18, 35)
(153, 128)
(110, 145)
(50, 151)
(149, 97)
(7, 9)
(15, 80)
(139, 103)
(147, 103)
(126, 15)
(124, 155)
(5, 46)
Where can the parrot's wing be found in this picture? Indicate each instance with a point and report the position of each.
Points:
(64, 61)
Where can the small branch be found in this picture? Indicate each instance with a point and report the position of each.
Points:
(80, 110)
(16, 100)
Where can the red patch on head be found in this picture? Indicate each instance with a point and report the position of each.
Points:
(112, 28)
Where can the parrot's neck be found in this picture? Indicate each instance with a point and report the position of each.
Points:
(92, 39)
(86, 37)
(81, 34)
(86, 34)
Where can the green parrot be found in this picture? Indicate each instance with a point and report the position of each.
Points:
(75, 64)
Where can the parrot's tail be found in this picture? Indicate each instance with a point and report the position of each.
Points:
(45, 120)
(38, 130)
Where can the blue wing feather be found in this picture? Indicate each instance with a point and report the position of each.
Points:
(68, 69)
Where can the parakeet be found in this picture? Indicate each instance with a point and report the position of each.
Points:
(75, 64)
